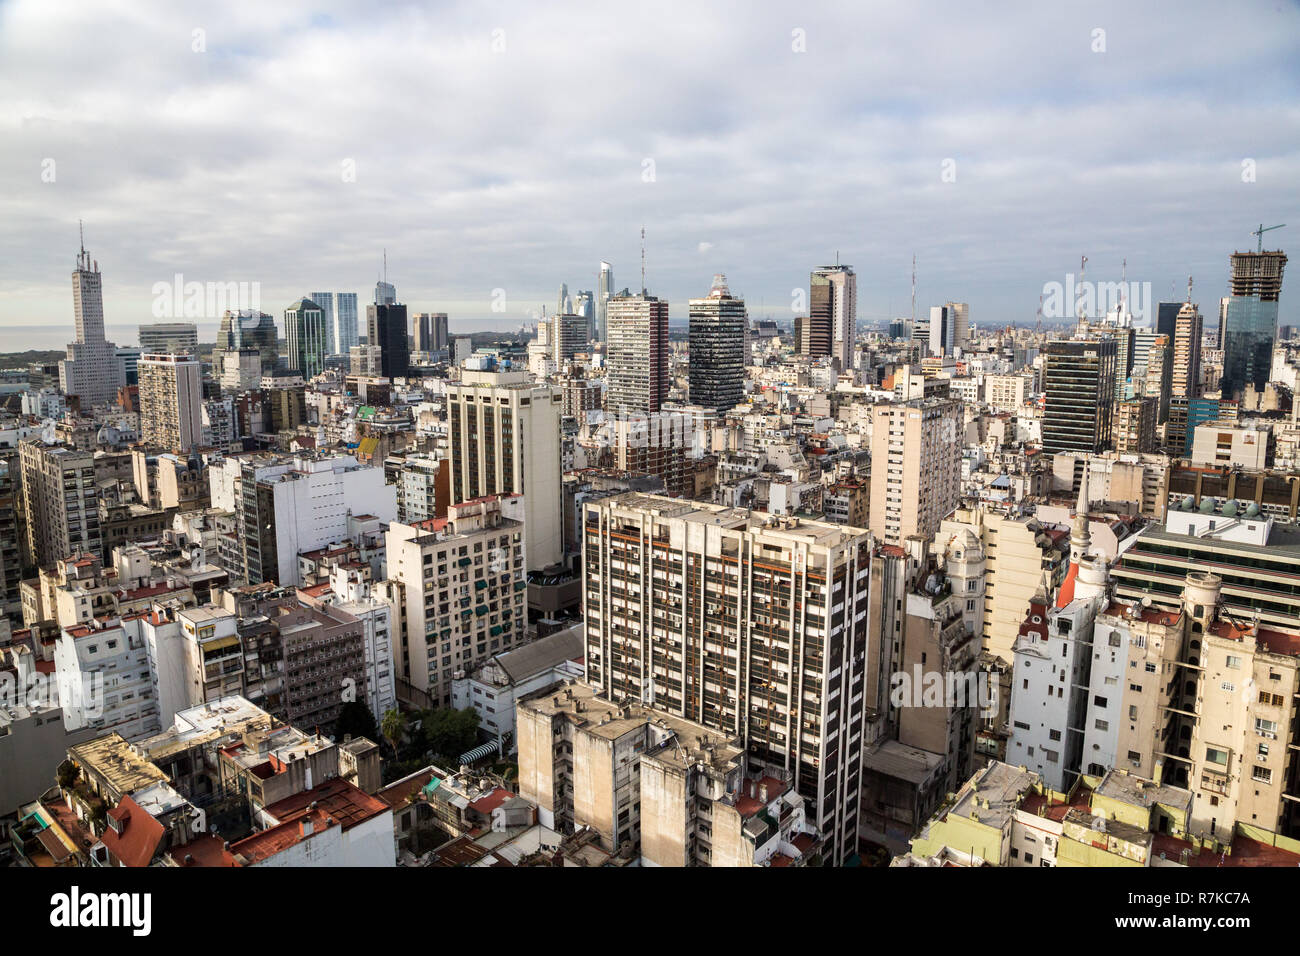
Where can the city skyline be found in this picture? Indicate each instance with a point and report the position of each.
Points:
(1060, 147)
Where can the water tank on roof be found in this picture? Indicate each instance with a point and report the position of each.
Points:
(1230, 509)
(1207, 506)
(1252, 510)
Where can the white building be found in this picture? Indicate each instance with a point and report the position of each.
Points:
(105, 681)
(350, 592)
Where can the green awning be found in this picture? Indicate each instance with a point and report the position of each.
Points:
(496, 629)
(479, 585)
(481, 610)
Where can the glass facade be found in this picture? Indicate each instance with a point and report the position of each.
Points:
(1249, 332)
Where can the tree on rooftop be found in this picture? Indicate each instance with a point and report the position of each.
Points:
(394, 728)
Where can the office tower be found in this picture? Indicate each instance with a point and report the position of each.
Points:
(726, 652)
(170, 337)
(1223, 321)
(562, 304)
(457, 587)
(92, 371)
(959, 315)
(385, 294)
(636, 349)
(345, 322)
(1079, 381)
(422, 331)
(833, 303)
(604, 292)
(11, 532)
(462, 347)
(251, 329)
(812, 335)
(326, 302)
(568, 337)
(171, 401)
(1250, 326)
(437, 338)
(717, 348)
(129, 356)
(504, 439)
(386, 329)
(60, 502)
(304, 332)
(941, 331)
(915, 467)
(1158, 375)
(1125, 341)
(1167, 318)
(584, 305)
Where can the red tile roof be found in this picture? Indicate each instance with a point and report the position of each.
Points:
(140, 836)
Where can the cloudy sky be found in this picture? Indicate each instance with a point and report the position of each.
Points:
(514, 145)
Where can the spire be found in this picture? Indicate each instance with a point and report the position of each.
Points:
(1080, 538)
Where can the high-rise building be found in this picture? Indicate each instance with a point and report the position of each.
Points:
(345, 322)
(717, 348)
(562, 304)
(1167, 318)
(504, 439)
(92, 371)
(941, 331)
(726, 652)
(326, 302)
(959, 315)
(569, 335)
(457, 588)
(636, 349)
(170, 337)
(60, 502)
(429, 330)
(304, 331)
(385, 294)
(915, 467)
(833, 304)
(1188, 328)
(386, 329)
(1079, 382)
(251, 329)
(604, 292)
(1135, 425)
(171, 401)
(1250, 325)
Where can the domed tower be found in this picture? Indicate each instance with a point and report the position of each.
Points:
(964, 561)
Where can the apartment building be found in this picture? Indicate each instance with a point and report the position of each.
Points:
(915, 467)
(1134, 430)
(688, 608)
(457, 589)
(60, 502)
(848, 501)
(171, 400)
(655, 786)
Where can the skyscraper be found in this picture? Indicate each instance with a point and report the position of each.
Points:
(636, 348)
(717, 348)
(345, 322)
(250, 329)
(959, 315)
(170, 337)
(326, 302)
(1250, 326)
(1079, 381)
(941, 331)
(385, 294)
(562, 303)
(604, 292)
(171, 400)
(304, 330)
(92, 370)
(386, 329)
(833, 302)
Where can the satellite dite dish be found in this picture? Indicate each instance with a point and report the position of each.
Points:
(1146, 600)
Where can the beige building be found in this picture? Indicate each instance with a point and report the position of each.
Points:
(915, 467)
(1134, 431)
(504, 439)
(1232, 445)
(1007, 392)
(649, 782)
(171, 400)
(60, 502)
(457, 588)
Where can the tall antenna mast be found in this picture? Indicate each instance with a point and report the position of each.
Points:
(643, 260)
(82, 230)
(1189, 290)
(914, 289)
(385, 263)
(1083, 271)
(1123, 289)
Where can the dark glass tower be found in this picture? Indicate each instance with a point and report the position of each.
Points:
(1079, 380)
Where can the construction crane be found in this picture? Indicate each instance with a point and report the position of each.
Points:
(1260, 234)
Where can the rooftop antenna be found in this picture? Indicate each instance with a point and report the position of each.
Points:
(385, 264)
(914, 289)
(643, 260)
(82, 230)
(1189, 290)
(1123, 289)
(1260, 233)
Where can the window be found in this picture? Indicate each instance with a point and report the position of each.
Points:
(1262, 775)
(1103, 725)
(1099, 701)
(1233, 662)
(1133, 712)
(1054, 734)
(1136, 688)
(1266, 728)
(1134, 756)
(1151, 668)
(1228, 686)
(1216, 756)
